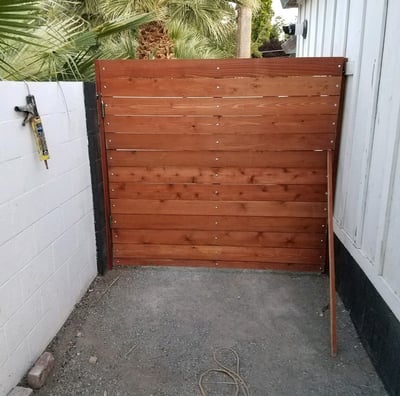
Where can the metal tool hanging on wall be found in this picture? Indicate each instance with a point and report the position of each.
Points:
(32, 116)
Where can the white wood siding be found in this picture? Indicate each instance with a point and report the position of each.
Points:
(367, 206)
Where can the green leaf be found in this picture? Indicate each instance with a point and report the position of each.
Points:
(117, 26)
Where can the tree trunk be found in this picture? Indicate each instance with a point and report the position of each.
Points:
(154, 42)
(244, 33)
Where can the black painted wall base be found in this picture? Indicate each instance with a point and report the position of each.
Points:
(378, 328)
(96, 175)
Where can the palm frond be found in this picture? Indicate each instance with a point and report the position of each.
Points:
(120, 25)
(212, 19)
(189, 44)
(70, 48)
(17, 19)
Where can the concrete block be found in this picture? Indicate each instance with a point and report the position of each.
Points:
(49, 228)
(56, 128)
(65, 246)
(39, 373)
(74, 209)
(71, 95)
(29, 208)
(11, 299)
(15, 367)
(6, 219)
(55, 292)
(14, 258)
(3, 347)
(16, 140)
(58, 190)
(43, 333)
(80, 178)
(7, 254)
(20, 324)
(37, 271)
(21, 391)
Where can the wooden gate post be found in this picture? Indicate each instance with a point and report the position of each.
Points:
(331, 253)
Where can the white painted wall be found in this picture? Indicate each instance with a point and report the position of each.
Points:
(367, 207)
(47, 244)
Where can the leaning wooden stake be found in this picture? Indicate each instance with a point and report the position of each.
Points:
(332, 288)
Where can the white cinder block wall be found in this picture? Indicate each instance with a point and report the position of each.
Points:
(47, 240)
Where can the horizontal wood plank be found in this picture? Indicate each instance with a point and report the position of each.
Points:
(221, 141)
(218, 238)
(249, 159)
(256, 265)
(221, 208)
(290, 123)
(234, 86)
(221, 106)
(218, 68)
(217, 222)
(132, 261)
(218, 175)
(226, 253)
(272, 192)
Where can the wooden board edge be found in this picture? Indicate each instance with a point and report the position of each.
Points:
(124, 261)
(104, 166)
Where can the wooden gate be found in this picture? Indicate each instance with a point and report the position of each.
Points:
(219, 162)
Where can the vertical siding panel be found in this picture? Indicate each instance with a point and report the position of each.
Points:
(341, 26)
(366, 110)
(361, 128)
(323, 26)
(328, 27)
(353, 53)
(391, 269)
(312, 29)
(333, 26)
(385, 146)
(306, 41)
(320, 4)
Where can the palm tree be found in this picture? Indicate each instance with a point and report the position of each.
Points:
(60, 39)
(208, 24)
(56, 44)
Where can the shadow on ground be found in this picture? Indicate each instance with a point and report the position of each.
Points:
(154, 330)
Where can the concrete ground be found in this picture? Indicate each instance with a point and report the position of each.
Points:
(153, 332)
